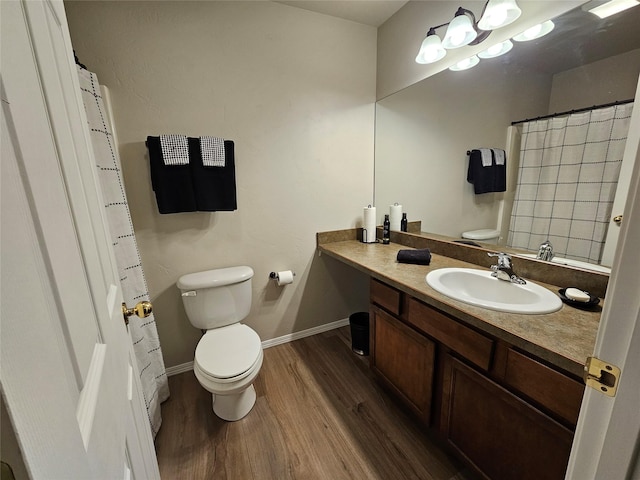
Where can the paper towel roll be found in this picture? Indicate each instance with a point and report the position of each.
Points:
(284, 278)
(369, 226)
(395, 216)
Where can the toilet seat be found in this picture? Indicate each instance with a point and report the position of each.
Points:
(483, 234)
(228, 354)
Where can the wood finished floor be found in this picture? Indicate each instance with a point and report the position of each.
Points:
(319, 415)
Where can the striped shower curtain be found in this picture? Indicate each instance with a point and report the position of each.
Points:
(143, 332)
(567, 179)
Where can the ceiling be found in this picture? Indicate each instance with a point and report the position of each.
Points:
(368, 12)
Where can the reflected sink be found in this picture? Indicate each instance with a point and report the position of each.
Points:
(479, 288)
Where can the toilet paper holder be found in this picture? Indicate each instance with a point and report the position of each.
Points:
(274, 275)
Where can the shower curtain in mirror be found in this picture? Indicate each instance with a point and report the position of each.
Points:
(143, 332)
(567, 179)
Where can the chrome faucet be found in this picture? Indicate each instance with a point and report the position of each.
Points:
(503, 269)
(545, 252)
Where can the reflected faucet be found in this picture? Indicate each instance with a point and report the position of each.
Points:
(503, 270)
(545, 252)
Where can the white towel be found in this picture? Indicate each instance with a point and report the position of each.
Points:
(212, 151)
(486, 157)
(175, 149)
(499, 155)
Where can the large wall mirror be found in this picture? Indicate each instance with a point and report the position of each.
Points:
(424, 131)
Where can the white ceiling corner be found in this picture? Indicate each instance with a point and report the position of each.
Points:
(368, 12)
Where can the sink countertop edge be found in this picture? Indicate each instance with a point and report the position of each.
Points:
(564, 338)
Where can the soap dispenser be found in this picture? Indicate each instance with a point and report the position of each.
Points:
(386, 227)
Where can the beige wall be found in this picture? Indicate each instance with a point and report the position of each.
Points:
(399, 38)
(295, 90)
(608, 80)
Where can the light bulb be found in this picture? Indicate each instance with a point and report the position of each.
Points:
(431, 50)
(534, 32)
(499, 13)
(459, 33)
(497, 49)
(496, 19)
(465, 64)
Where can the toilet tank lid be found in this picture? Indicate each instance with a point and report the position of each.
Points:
(483, 234)
(214, 278)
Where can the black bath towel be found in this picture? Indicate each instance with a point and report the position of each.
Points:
(193, 187)
(419, 256)
(214, 187)
(492, 178)
(171, 184)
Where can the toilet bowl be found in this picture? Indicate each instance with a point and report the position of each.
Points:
(486, 235)
(229, 355)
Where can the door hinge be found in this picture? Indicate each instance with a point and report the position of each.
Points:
(602, 376)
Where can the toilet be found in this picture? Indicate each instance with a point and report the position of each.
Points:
(229, 354)
(485, 235)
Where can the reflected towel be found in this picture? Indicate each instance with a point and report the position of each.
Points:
(486, 179)
(418, 257)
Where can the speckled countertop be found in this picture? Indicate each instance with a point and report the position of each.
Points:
(564, 338)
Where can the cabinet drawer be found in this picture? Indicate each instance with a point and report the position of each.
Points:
(467, 342)
(385, 296)
(550, 388)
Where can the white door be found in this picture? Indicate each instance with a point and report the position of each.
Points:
(68, 379)
(607, 440)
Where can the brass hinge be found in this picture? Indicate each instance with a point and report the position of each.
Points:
(602, 376)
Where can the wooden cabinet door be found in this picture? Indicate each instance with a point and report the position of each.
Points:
(501, 435)
(404, 359)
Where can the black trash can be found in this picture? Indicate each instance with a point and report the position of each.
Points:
(359, 323)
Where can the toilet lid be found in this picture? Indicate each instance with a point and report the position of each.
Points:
(229, 351)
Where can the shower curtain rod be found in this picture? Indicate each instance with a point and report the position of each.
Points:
(569, 112)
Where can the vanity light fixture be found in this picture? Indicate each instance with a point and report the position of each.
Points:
(534, 32)
(605, 9)
(463, 29)
(497, 50)
(465, 64)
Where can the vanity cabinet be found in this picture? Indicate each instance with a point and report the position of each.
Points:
(399, 356)
(509, 415)
(503, 436)
(404, 360)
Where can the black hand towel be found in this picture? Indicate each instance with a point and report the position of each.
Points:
(419, 257)
(214, 187)
(171, 184)
(486, 179)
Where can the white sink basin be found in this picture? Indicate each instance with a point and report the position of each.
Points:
(479, 288)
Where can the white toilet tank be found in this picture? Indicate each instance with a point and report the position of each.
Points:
(215, 298)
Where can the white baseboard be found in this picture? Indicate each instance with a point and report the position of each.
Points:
(305, 333)
(185, 367)
(176, 369)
